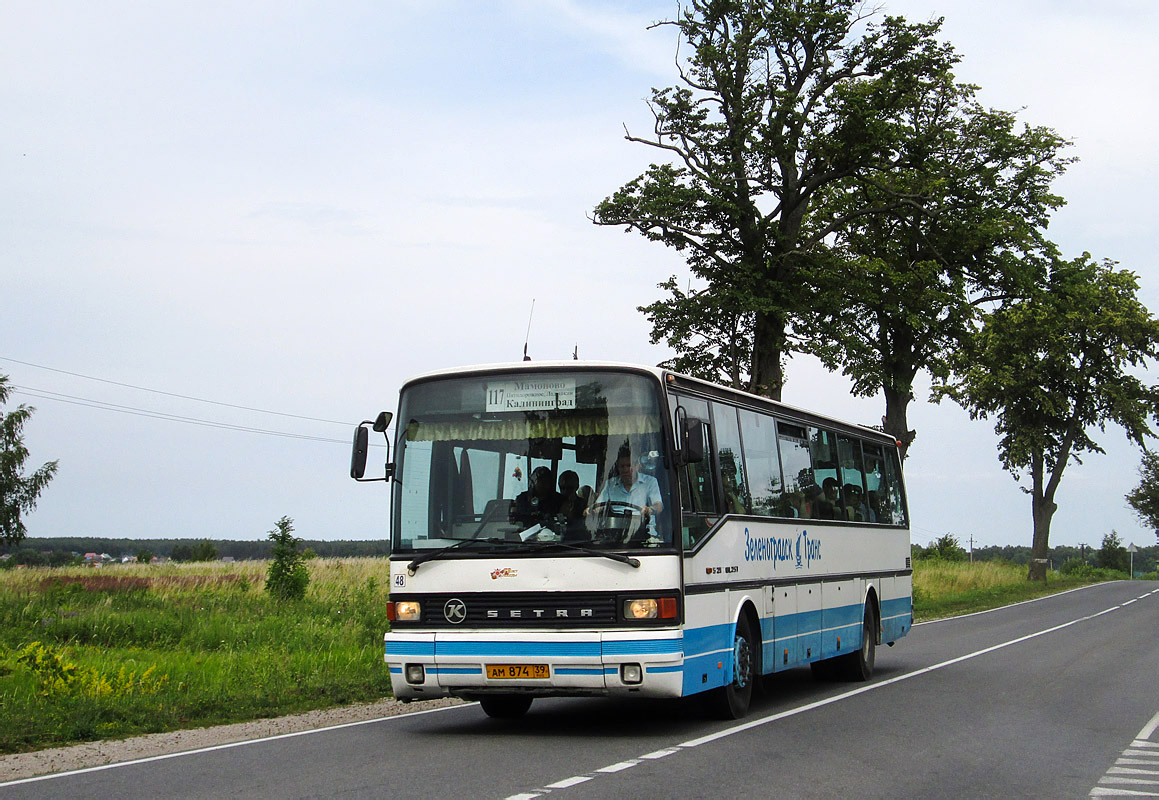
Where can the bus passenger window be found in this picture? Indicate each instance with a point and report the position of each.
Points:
(762, 466)
(823, 446)
(801, 491)
(852, 479)
(728, 454)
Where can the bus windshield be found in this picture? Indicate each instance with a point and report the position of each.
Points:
(573, 458)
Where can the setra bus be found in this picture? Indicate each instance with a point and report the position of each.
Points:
(598, 529)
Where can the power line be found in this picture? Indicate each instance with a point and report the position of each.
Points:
(173, 394)
(141, 412)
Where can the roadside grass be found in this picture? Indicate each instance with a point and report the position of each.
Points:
(91, 654)
(952, 588)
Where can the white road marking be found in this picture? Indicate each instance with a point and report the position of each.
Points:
(226, 746)
(623, 765)
(1139, 755)
(566, 782)
(746, 726)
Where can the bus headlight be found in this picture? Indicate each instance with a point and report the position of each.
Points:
(640, 608)
(415, 673)
(404, 610)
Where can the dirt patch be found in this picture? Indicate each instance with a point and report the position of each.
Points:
(95, 754)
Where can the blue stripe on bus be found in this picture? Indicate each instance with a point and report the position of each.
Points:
(581, 670)
(708, 639)
(642, 646)
(454, 670)
(396, 648)
(519, 649)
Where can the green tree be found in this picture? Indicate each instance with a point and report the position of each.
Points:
(288, 577)
(144, 556)
(1055, 366)
(904, 285)
(1113, 555)
(18, 492)
(1144, 498)
(777, 101)
(204, 551)
(946, 548)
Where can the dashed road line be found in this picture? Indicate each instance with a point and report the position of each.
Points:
(1143, 736)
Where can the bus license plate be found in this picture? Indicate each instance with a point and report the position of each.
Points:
(509, 671)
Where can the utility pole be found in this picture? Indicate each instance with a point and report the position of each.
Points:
(971, 548)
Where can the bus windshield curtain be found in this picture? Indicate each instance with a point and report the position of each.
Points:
(511, 429)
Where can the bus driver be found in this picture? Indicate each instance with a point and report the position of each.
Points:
(633, 487)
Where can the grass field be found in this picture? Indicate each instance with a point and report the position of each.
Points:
(106, 653)
(126, 649)
(951, 588)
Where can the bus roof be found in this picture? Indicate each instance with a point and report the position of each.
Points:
(661, 374)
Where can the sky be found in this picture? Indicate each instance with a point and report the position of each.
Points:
(269, 215)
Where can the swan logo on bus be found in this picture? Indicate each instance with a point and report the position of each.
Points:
(779, 549)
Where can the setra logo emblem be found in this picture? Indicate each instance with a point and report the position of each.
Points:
(455, 611)
(506, 572)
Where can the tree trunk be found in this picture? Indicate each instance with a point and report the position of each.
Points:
(768, 376)
(894, 422)
(1043, 508)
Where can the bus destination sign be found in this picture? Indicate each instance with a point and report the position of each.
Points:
(534, 394)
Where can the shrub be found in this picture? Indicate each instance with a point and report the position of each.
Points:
(288, 576)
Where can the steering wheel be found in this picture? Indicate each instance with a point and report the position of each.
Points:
(618, 508)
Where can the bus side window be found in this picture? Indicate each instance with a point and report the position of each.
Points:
(801, 491)
(894, 500)
(823, 445)
(851, 479)
(697, 488)
(762, 466)
(728, 456)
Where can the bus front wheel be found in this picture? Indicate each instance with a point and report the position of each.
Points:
(732, 701)
(505, 706)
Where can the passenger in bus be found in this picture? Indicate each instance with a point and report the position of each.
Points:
(855, 508)
(572, 504)
(829, 504)
(733, 502)
(635, 488)
(540, 502)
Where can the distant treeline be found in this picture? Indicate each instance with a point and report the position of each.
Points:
(1145, 559)
(225, 548)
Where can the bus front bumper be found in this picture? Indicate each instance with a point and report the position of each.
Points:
(614, 662)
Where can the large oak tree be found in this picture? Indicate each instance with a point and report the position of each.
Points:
(1054, 368)
(776, 102)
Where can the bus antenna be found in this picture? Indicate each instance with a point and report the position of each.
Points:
(527, 338)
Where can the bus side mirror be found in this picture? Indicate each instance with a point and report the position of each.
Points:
(692, 444)
(358, 456)
(362, 445)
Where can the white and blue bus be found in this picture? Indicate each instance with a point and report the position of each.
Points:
(596, 529)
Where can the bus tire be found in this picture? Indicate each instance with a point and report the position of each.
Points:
(859, 666)
(505, 706)
(732, 701)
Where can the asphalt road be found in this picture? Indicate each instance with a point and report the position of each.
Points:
(1055, 698)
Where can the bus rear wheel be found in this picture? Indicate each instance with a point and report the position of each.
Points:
(732, 701)
(859, 666)
(505, 706)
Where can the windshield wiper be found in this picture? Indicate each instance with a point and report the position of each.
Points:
(414, 565)
(623, 559)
